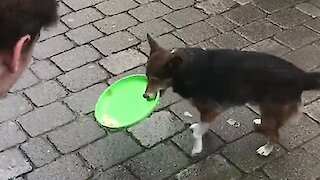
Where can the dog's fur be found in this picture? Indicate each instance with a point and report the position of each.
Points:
(214, 80)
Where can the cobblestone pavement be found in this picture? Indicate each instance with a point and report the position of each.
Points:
(47, 129)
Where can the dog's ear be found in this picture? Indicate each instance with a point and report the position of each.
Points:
(153, 44)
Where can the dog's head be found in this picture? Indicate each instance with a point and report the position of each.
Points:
(160, 68)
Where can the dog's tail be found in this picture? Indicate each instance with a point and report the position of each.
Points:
(311, 81)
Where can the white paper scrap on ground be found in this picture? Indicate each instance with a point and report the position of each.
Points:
(187, 114)
(233, 122)
(257, 121)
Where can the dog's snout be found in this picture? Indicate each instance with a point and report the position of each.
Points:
(146, 96)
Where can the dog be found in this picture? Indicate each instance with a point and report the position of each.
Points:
(214, 80)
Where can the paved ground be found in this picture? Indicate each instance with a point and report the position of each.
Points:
(47, 130)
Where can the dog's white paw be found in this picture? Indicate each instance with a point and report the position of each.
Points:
(265, 150)
(196, 150)
(194, 126)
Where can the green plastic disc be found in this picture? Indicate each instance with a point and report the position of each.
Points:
(122, 104)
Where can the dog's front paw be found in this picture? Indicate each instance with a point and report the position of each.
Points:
(265, 150)
(196, 150)
(194, 126)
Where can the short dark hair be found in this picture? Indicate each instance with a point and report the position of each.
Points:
(22, 17)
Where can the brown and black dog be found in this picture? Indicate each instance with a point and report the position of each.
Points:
(215, 80)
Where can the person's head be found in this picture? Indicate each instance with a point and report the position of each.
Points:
(20, 24)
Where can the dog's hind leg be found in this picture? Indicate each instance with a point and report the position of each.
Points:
(273, 117)
(199, 129)
(208, 115)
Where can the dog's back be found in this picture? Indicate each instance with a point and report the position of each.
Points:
(236, 77)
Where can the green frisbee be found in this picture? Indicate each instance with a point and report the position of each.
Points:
(122, 104)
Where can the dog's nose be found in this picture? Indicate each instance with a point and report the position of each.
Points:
(146, 96)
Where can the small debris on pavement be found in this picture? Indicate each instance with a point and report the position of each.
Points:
(187, 114)
(233, 122)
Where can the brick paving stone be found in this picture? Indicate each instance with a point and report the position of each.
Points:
(255, 175)
(309, 9)
(13, 106)
(82, 17)
(167, 41)
(52, 47)
(60, 28)
(294, 165)
(288, 18)
(313, 110)
(182, 109)
(115, 23)
(315, 172)
(10, 135)
(242, 115)
(313, 147)
(250, 160)
(295, 134)
(230, 40)
(150, 11)
(212, 7)
(76, 5)
(144, 1)
(213, 167)
(113, 7)
(63, 9)
(243, 2)
(83, 77)
(119, 41)
(138, 70)
(268, 46)
(84, 101)
(305, 58)
(158, 163)
(13, 164)
(45, 93)
(155, 28)
(221, 23)
(173, 4)
(19, 178)
(38, 121)
(27, 79)
(66, 167)
(206, 44)
(271, 6)
(244, 14)
(76, 134)
(45, 69)
(314, 24)
(123, 61)
(315, 2)
(167, 99)
(258, 30)
(254, 108)
(294, 2)
(76, 57)
(297, 37)
(196, 33)
(115, 173)
(211, 143)
(167, 125)
(39, 151)
(177, 18)
(309, 96)
(111, 150)
(84, 34)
